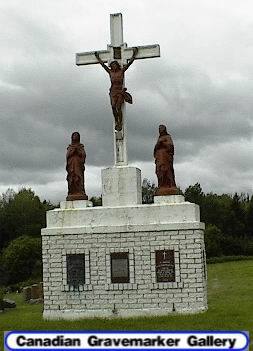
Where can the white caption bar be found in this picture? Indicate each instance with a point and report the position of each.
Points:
(126, 340)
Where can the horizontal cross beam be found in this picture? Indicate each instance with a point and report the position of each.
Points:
(88, 58)
(147, 51)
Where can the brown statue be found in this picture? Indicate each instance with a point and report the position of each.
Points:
(118, 94)
(75, 168)
(163, 154)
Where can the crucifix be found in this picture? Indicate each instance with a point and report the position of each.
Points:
(119, 57)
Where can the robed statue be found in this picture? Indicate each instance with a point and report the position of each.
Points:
(164, 155)
(75, 169)
(118, 93)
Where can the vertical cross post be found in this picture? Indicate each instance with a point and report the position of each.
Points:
(120, 148)
(116, 26)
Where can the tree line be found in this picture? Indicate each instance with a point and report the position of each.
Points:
(228, 219)
(22, 215)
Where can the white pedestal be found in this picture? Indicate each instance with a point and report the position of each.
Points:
(67, 205)
(121, 186)
(169, 199)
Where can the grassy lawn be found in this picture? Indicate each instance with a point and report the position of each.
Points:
(230, 298)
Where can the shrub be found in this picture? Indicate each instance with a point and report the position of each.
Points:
(21, 259)
(1, 299)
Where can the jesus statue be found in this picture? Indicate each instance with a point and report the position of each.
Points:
(118, 93)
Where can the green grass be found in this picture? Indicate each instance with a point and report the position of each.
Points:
(230, 300)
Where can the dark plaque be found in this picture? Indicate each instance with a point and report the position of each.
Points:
(120, 267)
(165, 266)
(75, 270)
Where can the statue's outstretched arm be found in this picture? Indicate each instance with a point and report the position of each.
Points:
(101, 62)
(131, 60)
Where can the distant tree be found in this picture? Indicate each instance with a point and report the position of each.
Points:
(4, 276)
(194, 194)
(215, 208)
(21, 212)
(210, 209)
(179, 191)
(235, 221)
(96, 200)
(249, 218)
(148, 191)
(213, 241)
(8, 196)
(1, 299)
(21, 259)
(49, 206)
(225, 201)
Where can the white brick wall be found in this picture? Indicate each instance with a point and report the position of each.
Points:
(143, 295)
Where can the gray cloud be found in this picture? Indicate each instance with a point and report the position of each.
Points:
(203, 93)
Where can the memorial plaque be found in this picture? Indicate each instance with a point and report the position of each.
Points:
(165, 266)
(120, 267)
(75, 270)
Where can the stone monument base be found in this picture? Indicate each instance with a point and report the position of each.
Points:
(123, 313)
(125, 261)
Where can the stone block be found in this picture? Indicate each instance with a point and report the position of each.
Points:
(26, 293)
(35, 291)
(6, 303)
(121, 186)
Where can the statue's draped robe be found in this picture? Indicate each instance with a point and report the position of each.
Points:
(118, 96)
(164, 155)
(75, 168)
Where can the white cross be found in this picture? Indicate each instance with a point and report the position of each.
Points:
(118, 51)
(164, 254)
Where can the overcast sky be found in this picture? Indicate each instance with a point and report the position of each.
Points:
(201, 88)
